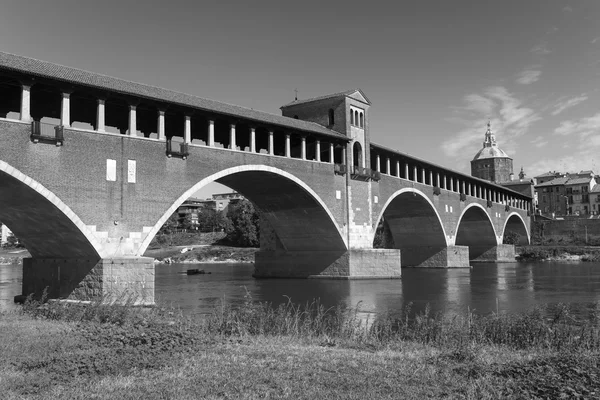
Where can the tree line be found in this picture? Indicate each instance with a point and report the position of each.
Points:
(240, 224)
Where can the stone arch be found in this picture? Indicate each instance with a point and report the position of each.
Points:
(415, 224)
(308, 225)
(357, 155)
(47, 227)
(514, 222)
(476, 230)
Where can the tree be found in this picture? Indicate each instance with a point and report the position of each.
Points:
(383, 236)
(244, 227)
(512, 237)
(171, 225)
(211, 220)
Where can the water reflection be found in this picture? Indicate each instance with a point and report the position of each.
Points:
(485, 288)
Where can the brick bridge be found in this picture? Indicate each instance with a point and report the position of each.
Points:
(92, 166)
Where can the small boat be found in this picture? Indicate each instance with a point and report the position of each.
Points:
(196, 271)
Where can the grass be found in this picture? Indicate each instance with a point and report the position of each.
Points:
(58, 350)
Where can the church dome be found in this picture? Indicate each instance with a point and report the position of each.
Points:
(490, 148)
(490, 152)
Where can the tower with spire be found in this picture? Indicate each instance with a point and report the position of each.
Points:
(492, 163)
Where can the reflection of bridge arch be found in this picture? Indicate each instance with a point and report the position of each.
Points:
(46, 226)
(296, 213)
(476, 230)
(515, 223)
(415, 225)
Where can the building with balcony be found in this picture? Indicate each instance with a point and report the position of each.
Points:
(566, 195)
(218, 202)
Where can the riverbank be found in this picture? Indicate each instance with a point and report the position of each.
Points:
(66, 351)
(558, 253)
(202, 254)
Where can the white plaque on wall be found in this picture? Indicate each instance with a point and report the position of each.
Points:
(130, 171)
(111, 170)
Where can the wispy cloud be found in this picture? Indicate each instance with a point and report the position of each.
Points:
(580, 161)
(529, 75)
(582, 127)
(541, 49)
(594, 40)
(567, 9)
(539, 141)
(508, 116)
(572, 102)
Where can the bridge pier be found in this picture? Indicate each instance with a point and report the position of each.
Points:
(434, 257)
(350, 264)
(499, 253)
(121, 279)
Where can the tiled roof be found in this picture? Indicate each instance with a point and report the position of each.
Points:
(33, 67)
(578, 181)
(328, 96)
(554, 182)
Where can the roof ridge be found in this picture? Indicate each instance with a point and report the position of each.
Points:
(323, 97)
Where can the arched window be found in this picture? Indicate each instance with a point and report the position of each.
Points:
(351, 117)
(356, 118)
(357, 155)
(361, 120)
(331, 117)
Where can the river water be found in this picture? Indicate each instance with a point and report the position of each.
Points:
(485, 288)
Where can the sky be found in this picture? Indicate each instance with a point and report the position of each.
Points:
(435, 71)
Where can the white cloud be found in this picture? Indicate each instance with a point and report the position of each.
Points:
(509, 118)
(594, 40)
(528, 76)
(541, 49)
(564, 104)
(539, 142)
(582, 127)
(567, 9)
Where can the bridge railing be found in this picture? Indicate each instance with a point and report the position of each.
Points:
(47, 133)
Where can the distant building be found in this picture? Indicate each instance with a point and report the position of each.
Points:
(568, 194)
(5, 233)
(492, 163)
(218, 202)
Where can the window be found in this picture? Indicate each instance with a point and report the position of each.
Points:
(355, 117)
(351, 117)
(361, 120)
(295, 117)
(357, 155)
(331, 117)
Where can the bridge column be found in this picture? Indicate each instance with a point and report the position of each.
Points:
(388, 167)
(331, 154)
(437, 179)
(499, 253)
(415, 176)
(187, 130)
(445, 182)
(430, 178)
(463, 187)
(211, 133)
(119, 279)
(232, 144)
(161, 124)
(406, 175)
(271, 143)
(65, 113)
(132, 120)
(397, 169)
(378, 163)
(423, 176)
(435, 257)
(252, 140)
(26, 101)
(303, 148)
(318, 150)
(100, 116)
(288, 145)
